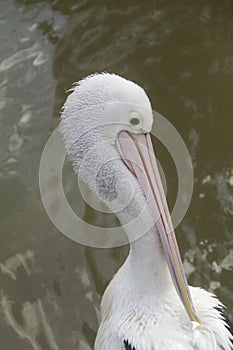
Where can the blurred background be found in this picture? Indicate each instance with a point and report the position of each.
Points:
(181, 52)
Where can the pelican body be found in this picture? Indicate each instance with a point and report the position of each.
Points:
(105, 124)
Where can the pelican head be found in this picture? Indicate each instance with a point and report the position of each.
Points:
(105, 124)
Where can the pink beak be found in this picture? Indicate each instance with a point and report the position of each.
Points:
(137, 153)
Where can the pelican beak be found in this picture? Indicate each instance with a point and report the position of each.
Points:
(137, 153)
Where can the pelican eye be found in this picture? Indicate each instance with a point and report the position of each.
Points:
(135, 120)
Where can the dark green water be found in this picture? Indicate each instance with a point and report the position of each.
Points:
(181, 52)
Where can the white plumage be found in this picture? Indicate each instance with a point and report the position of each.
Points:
(136, 309)
(140, 308)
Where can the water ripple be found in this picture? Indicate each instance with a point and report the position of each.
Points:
(22, 56)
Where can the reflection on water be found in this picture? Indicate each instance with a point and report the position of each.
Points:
(182, 55)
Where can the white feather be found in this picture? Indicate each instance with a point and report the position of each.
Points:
(151, 320)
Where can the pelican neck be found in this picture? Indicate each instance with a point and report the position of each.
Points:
(147, 264)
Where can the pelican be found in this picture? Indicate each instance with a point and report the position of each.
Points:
(105, 124)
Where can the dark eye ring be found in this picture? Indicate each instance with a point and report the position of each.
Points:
(134, 121)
